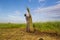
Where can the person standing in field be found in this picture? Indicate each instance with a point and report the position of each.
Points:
(28, 17)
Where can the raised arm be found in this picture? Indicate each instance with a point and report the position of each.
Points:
(28, 12)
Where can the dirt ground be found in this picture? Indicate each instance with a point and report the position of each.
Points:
(21, 34)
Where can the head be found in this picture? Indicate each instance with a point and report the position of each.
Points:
(24, 14)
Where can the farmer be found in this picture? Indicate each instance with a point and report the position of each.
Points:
(28, 17)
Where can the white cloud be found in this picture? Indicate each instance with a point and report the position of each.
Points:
(30, 0)
(37, 0)
(47, 13)
(58, 2)
(51, 9)
(15, 17)
(17, 12)
(41, 0)
(42, 3)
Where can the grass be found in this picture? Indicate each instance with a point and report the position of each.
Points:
(46, 26)
(11, 25)
(14, 31)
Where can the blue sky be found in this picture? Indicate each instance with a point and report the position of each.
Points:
(41, 10)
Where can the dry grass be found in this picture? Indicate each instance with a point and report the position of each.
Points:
(21, 34)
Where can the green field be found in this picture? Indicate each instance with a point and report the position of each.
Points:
(48, 27)
(11, 25)
(42, 26)
(45, 30)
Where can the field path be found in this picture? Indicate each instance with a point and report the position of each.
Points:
(21, 34)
